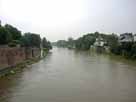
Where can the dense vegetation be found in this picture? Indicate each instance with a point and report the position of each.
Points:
(46, 44)
(11, 36)
(127, 49)
(84, 42)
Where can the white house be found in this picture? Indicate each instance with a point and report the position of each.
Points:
(99, 42)
(126, 37)
(135, 38)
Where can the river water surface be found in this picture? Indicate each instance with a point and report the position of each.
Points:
(71, 76)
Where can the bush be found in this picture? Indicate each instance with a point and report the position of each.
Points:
(12, 44)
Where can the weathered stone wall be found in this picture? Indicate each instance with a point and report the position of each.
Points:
(36, 52)
(12, 56)
(32, 53)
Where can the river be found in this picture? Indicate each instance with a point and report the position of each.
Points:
(72, 76)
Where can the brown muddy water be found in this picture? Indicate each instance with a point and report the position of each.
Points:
(71, 76)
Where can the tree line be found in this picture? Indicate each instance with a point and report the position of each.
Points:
(126, 49)
(12, 36)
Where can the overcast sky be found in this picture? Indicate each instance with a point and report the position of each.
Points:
(60, 19)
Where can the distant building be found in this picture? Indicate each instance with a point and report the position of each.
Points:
(99, 45)
(99, 42)
(135, 38)
(126, 37)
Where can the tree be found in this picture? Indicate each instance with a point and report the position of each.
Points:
(61, 43)
(31, 40)
(78, 43)
(70, 39)
(112, 41)
(15, 33)
(85, 42)
(96, 34)
(5, 36)
(49, 45)
(25, 40)
(70, 42)
(44, 43)
(36, 40)
(133, 51)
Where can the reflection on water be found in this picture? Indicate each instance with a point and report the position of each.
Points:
(72, 76)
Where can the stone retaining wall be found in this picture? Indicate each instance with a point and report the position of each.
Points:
(11, 56)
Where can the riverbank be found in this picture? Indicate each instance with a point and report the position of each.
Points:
(115, 57)
(17, 68)
(15, 58)
(11, 70)
(109, 53)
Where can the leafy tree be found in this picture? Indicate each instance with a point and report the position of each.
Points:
(25, 40)
(78, 43)
(96, 34)
(49, 45)
(5, 36)
(127, 49)
(15, 33)
(31, 40)
(85, 42)
(35, 40)
(133, 51)
(70, 42)
(44, 43)
(61, 43)
(112, 41)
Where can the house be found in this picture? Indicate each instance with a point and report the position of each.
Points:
(99, 45)
(99, 42)
(126, 37)
(134, 37)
